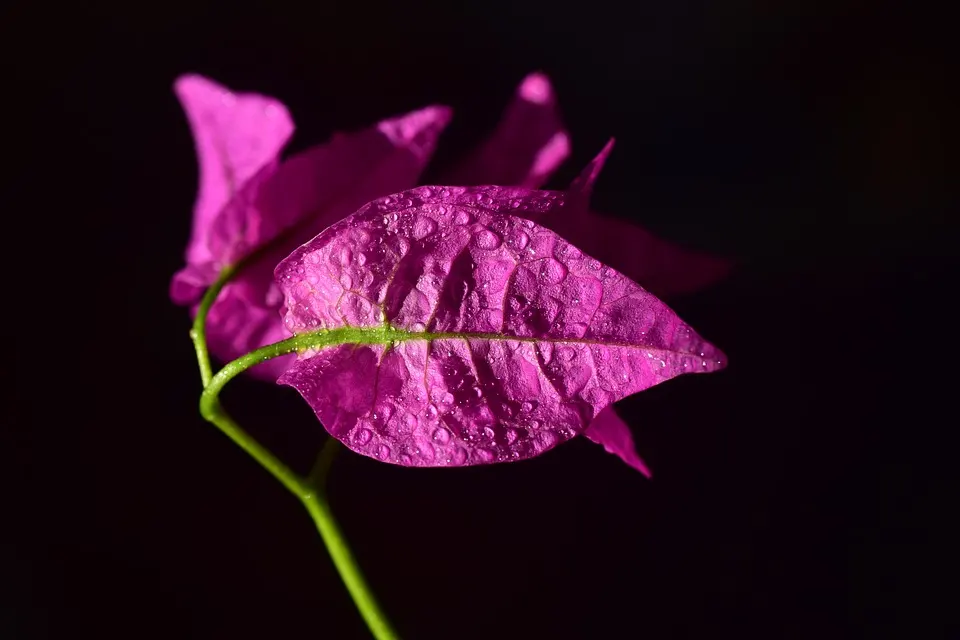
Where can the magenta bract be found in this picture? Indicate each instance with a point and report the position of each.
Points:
(250, 202)
(265, 203)
(525, 338)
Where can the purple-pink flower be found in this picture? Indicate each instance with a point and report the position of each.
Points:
(500, 340)
(256, 208)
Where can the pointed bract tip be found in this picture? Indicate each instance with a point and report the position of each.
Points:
(418, 128)
(536, 88)
(583, 184)
(194, 83)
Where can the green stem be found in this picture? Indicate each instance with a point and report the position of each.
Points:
(319, 509)
(311, 491)
(198, 333)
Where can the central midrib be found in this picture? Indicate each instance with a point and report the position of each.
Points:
(388, 334)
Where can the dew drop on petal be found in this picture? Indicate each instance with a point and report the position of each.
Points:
(458, 456)
(487, 239)
(423, 227)
(552, 271)
(362, 436)
(519, 240)
(547, 439)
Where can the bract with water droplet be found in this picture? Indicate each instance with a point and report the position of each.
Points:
(278, 204)
(544, 365)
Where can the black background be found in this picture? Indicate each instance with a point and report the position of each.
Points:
(802, 493)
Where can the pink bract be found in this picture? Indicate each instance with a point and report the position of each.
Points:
(279, 205)
(526, 339)
(253, 207)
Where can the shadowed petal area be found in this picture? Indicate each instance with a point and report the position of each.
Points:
(236, 135)
(662, 267)
(527, 146)
(287, 206)
(609, 430)
(525, 339)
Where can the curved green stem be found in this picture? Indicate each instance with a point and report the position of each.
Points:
(319, 509)
(310, 491)
(198, 332)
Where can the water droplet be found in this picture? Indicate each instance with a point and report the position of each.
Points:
(423, 227)
(526, 407)
(458, 456)
(431, 412)
(362, 436)
(515, 204)
(447, 398)
(487, 239)
(383, 452)
(566, 353)
(441, 435)
(362, 259)
(552, 271)
(463, 217)
(486, 455)
(488, 433)
(519, 239)
(406, 460)
(477, 391)
(547, 439)
(512, 435)
(534, 424)
(346, 281)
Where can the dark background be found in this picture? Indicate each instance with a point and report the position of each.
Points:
(802, 493)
